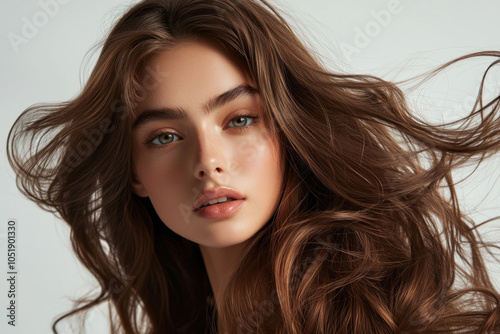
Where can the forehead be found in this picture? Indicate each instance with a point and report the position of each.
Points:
(190, 73)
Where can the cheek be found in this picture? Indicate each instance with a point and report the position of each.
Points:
(259, 158)
(162, 178)
(168, 192)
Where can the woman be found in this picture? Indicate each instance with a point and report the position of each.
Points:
(337, 209)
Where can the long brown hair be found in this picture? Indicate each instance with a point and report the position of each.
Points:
(368, 238)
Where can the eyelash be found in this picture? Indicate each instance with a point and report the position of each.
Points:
(254, 121)
(150, 139)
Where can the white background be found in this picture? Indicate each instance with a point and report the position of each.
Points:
(53, 65)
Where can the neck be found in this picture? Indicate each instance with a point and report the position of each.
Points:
(220, 263)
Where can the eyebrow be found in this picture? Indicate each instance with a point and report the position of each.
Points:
(166, 113)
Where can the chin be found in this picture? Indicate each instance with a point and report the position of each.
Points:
(223, 241)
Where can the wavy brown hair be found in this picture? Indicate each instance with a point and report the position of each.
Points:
(368, 238)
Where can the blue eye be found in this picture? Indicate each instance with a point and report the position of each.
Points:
(164, 138)
(241, 121)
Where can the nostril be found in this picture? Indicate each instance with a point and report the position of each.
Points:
(204, 171)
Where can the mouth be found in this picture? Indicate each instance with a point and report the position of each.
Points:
(216, 196)
(220, 210)
(216, 201)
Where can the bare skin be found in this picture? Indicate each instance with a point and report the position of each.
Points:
(177, 159)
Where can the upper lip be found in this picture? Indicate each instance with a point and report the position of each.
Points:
(214, 193)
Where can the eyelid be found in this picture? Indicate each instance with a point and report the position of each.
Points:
(149, 139)
(243, 115)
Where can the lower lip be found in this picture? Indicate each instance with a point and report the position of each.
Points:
(221, 210)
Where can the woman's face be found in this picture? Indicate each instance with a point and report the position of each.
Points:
(200, 135)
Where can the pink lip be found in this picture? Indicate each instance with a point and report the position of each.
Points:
(221, 210)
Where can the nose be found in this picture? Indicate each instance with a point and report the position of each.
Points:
(210, 160)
